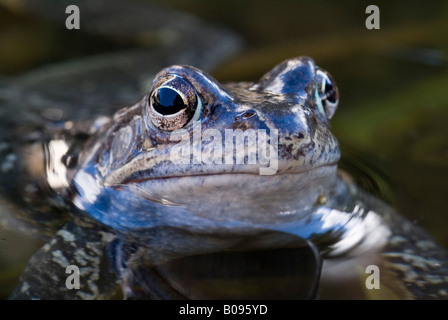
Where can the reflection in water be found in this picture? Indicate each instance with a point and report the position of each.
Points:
(283, 273)
(56, 170)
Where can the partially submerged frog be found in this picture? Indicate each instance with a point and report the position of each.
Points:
(138, 212)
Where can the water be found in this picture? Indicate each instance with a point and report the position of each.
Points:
(392, 118)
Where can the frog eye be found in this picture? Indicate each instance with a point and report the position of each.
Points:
(173, 103)
(327, 95)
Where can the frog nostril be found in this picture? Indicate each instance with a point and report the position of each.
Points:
(248, 114)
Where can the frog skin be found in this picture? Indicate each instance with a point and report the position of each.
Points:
(133, 209)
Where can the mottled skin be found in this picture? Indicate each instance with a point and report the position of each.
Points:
(133, 209)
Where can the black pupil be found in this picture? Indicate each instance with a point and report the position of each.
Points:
(167, 101)
(329, 91)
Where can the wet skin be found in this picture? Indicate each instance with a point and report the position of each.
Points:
(134, 208)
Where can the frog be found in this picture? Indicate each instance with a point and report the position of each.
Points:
(149, 220)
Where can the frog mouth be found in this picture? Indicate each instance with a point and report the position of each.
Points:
(235, 196)
(215, 196)
(125, 175)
